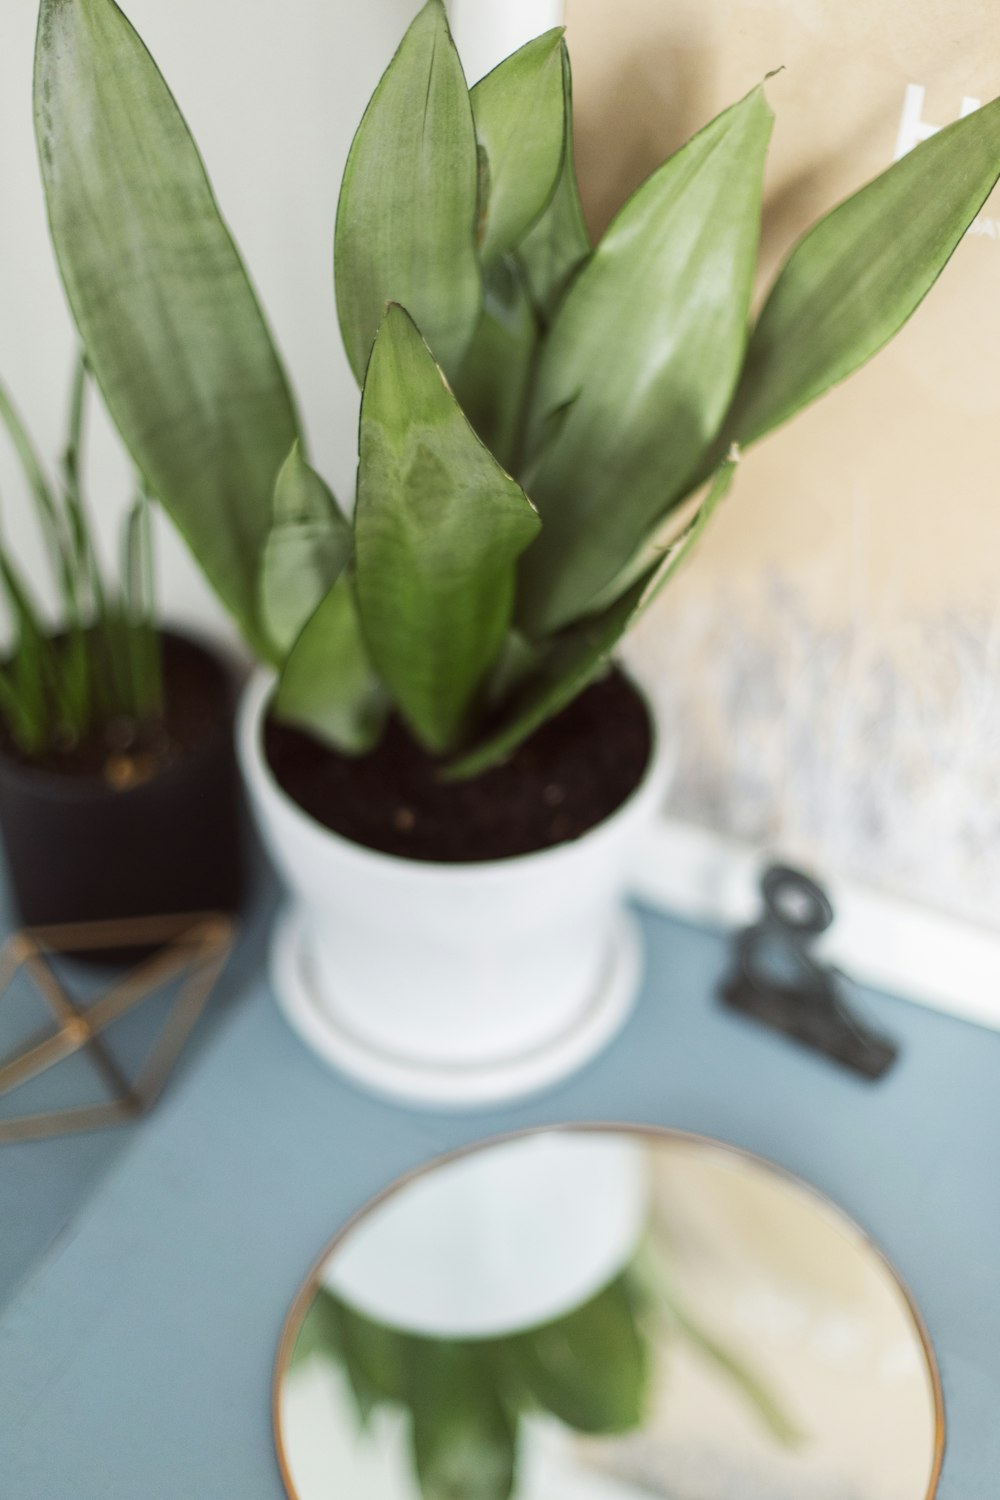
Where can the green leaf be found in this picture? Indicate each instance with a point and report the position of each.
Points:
(574, 657)
(319, 1331)
(492, 383)
(406, 217)
(558, 244)
(518, 110)
(327, 685)
(647, 347)
(32, 671)
(464, 1442)
(142, 642)
(25, 726)
(173, 330)
(306, 550)
(570, 661)
(754, 1389)
(855, 278)
(50, 519)
(590, 1368)
(439, 526)
(376, 1359)
(88, 582)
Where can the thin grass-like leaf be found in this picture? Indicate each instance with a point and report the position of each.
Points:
(32, 670)
(50, 520)
(108, 669)
(139, 610)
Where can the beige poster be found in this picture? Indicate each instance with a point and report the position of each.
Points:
(832, 657)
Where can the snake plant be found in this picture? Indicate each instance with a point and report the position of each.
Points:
(535, 409)
(93, 680)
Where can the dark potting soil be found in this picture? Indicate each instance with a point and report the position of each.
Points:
(197, 700)
(570, 775)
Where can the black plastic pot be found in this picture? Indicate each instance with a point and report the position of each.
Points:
(79, 850)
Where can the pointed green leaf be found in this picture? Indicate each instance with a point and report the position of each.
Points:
(438, 528)
(327, 685)
(464, 1442)
(855, 278)
(573, 658)
(646, 347)
(590, 1368)
(173, 330)
(570, 662)
(492, 382)
(307, 548)
(406, 217)
(518, 110)
(558, 244)
(319, 1331)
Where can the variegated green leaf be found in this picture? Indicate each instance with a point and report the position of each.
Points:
(438, 527)
(518, 110)
(173, 331)
(558, 244)
(643, 355)
(574, 657)
(492, 382)
(855, 278)
(570, 661)
(406, 218)
(327, 685)
(307, 548)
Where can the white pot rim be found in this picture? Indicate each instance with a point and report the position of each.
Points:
(253, 706)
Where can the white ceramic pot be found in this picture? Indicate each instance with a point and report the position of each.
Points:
(450, 984)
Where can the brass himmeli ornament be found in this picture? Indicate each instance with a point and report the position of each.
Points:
(193, 946)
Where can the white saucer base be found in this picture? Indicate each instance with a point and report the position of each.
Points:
(448, 1085)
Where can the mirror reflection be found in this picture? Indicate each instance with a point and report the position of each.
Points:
(606, 1315)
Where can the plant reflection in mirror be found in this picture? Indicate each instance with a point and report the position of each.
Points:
(464, 1400)
(92, 680)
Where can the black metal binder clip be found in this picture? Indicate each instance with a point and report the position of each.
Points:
(777, 980)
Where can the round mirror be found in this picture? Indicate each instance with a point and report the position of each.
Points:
(605, 1314)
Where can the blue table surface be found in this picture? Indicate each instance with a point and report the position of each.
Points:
(145, 1272)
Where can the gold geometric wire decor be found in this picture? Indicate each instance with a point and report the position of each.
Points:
(195, 945)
